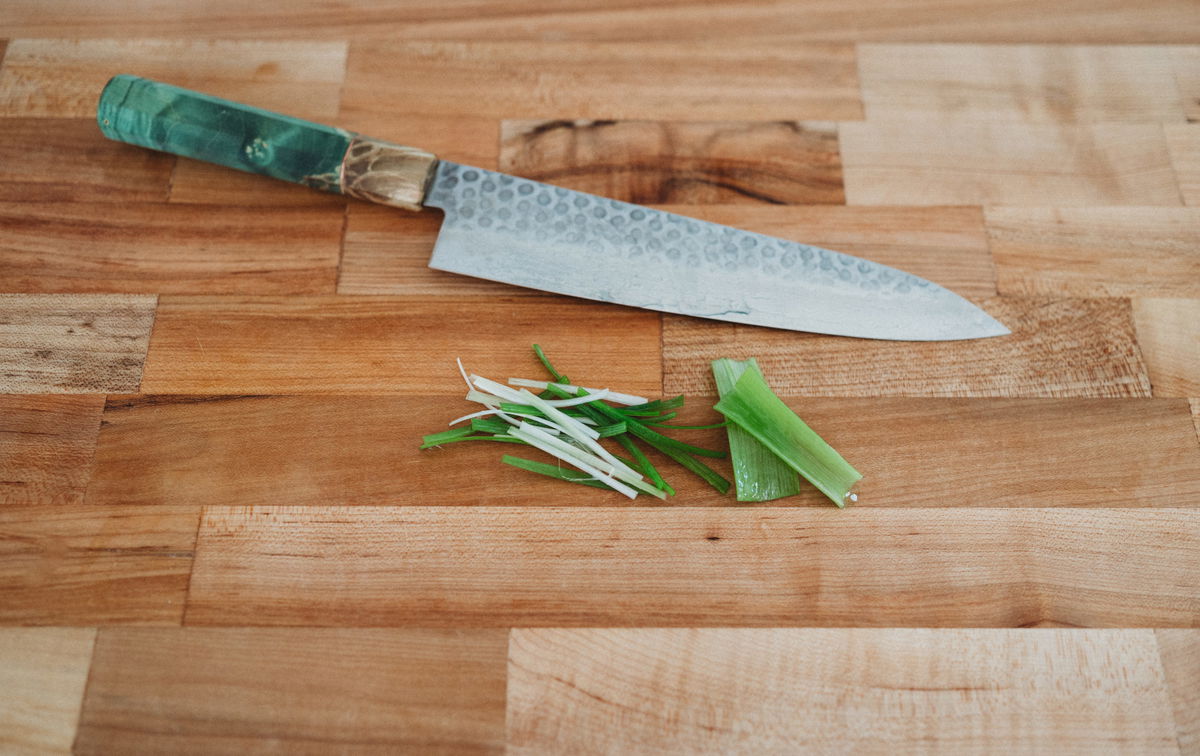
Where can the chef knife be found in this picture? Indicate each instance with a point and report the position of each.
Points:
(535, 235)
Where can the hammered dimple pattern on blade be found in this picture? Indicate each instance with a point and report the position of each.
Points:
(530, 234)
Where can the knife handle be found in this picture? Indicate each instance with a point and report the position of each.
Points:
(194, 125)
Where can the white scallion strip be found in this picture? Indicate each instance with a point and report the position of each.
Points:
(575, 462)
(497, 389)
(601, 394)
(612, 396)
(506, 416)
(492, 401)
(618, 471)
(463, 371)
(570, 425)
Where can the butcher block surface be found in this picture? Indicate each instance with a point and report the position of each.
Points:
(217, 534)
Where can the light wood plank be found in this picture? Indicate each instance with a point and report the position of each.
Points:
(387, 252)
(836, 691)
(1071, 21)
(1024, 83)
(739, 80)
(1169, 336)
(1096, 251)
(1180, 652)
(263, 345)
(1063, 348)
(73, 343)
(63, 78)
(86, 565)
(1186, 62)
(922, 161)
(1195, 403)
(687, 567)
(255, 690)
(42, 677)
(1184, 142)
(694, 163)
(152, 248)
(194, 182)
(363, 450)
(46, 448)
(69, 160)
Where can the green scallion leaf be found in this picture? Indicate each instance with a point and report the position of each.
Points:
(758, 475)
(553, 471)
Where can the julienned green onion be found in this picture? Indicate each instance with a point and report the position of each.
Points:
(567, 421)
(758, 475)
(752, 406)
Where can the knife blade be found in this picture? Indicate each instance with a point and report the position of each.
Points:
(525, 233)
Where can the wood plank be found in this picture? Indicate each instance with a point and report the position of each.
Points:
(62, 78)
(687, 163)
(358, 451)
(46, 448)
(1186, 61)
(1195, 403)
(1096, 251)
(923, 161)
(1184, 142)
(263, 345)
(69, 160)
(85, 565)
(1026, 83)
(255, 690)
(1168, 334)
(1180, 652)
(1070, 21)
(73, 343)
(194, 182)
(821, 690)
(1063, 348)
(387, 252)
(689, 567)
(741, 80)
(462, 136)
(152, 247)
(42, 676)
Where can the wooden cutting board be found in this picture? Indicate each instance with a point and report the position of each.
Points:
(216, 531)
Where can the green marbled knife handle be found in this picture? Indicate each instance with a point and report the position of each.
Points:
(171, 119)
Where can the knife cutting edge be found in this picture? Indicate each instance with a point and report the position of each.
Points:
(526, 233)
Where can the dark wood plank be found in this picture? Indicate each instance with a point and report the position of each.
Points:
(69, 160)
(42, 676)
(87, 565)
(194, 182)
(73, 343)
(61, 78)
(1096, 251)
(824, 690)
(152, 248)
(363, 450)
(738, 79)
(255, 690)
(46, 448)
(696, 163)
(502, 567)
(406, 345)
(1064, 348)
(1180, 654)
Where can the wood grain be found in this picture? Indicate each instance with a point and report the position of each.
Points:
(152, 248)
(1024, 83)
(387, 252)
(1096, 252)
(1184, 142)
(42, 677)
(822, 691)
(86, 565)
(930, 161)
(462, 136)
(46, 448)
(69, 160)
(73, 343)
(500, 567)
(697, 163)
(1195, 403)
(1074, 21)
(63, 78)
(666, 81)
(1180, 652)
(1186, 62)
(194, 182)
(256, 345)
(321, 451)
(1058, 347)
(253, 690)
(1169, 336)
